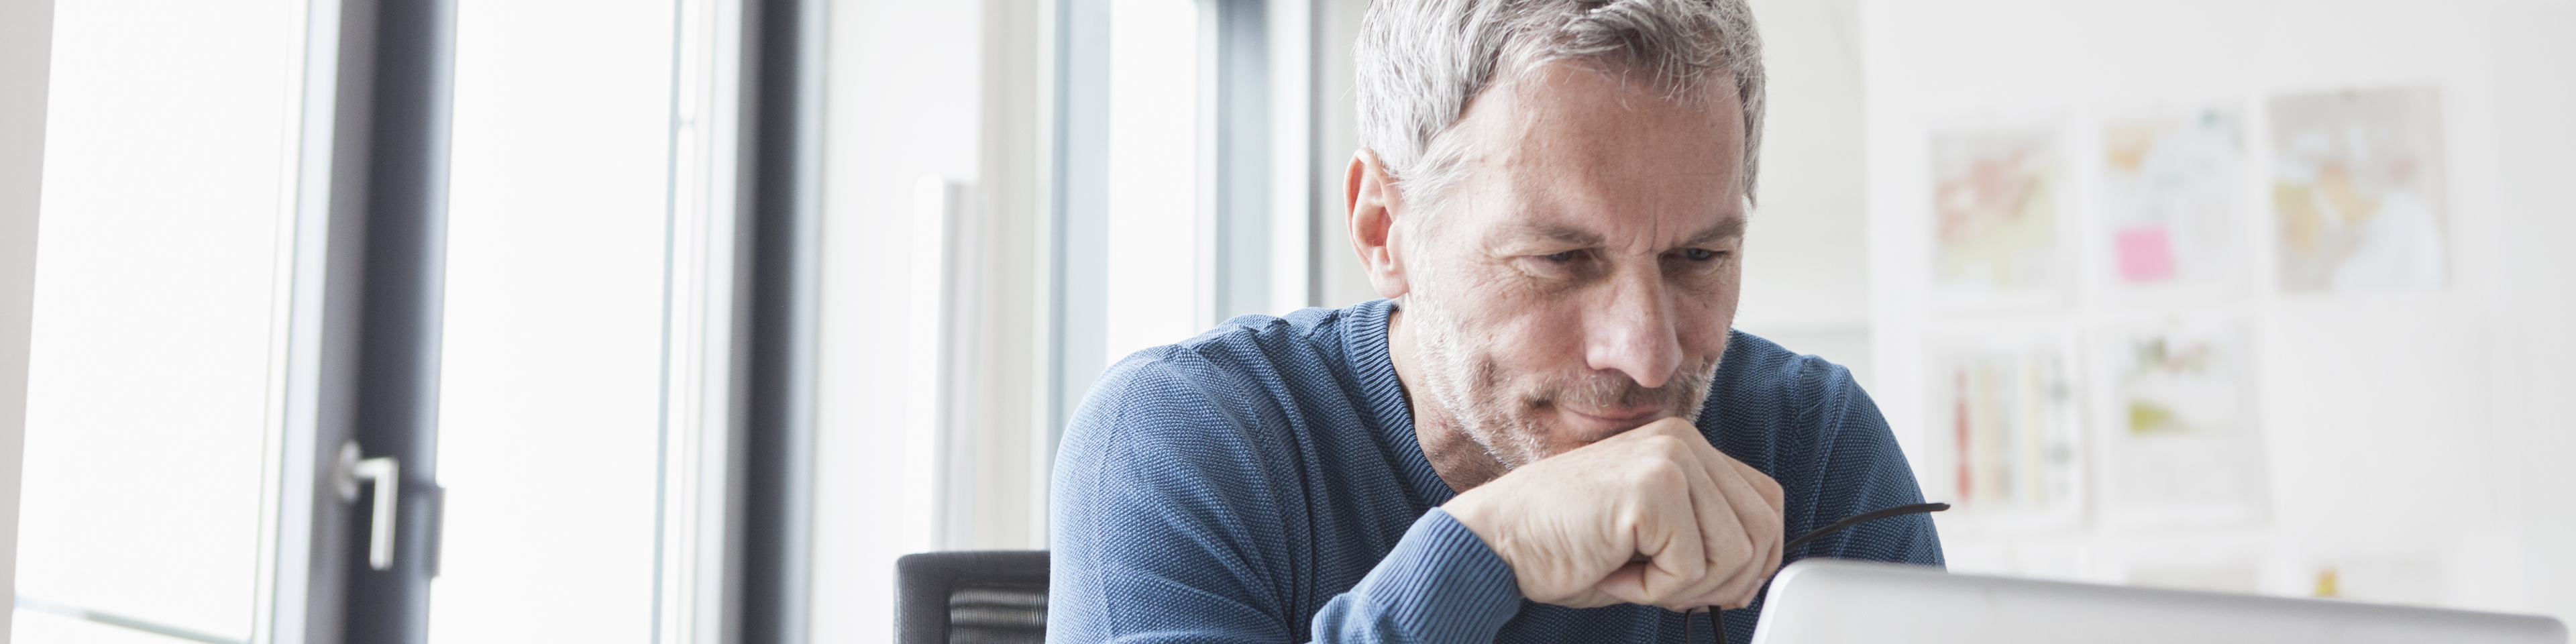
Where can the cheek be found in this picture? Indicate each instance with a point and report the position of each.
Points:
(1704, 320)
(1524, 333)
(1537, 342)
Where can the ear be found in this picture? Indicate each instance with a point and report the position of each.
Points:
(1372, 205)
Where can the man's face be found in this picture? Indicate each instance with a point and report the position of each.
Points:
(1579, 279)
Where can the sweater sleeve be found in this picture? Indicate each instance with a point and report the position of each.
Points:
(1441, 584)
(1167, 531)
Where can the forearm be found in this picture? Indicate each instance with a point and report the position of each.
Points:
(1440, 585)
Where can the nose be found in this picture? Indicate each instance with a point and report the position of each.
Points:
(1632, 333)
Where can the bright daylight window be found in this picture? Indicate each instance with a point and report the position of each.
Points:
(551, 387)
(168, 208)
(1158, 212)
(589, 235)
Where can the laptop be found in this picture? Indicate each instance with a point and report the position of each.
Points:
(1820, 601)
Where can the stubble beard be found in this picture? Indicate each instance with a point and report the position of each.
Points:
(1510, 416)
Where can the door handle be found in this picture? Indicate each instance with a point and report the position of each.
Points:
(386, 474)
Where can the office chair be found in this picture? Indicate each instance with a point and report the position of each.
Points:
(971, 597)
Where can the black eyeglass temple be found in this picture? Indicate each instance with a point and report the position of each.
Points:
(1717, 619)
(1864, 517)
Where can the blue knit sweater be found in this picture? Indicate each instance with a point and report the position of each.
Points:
(1262, 483)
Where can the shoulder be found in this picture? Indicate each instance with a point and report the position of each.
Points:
(1222, 394)
(1802, 420)
(1790, 414)
(1256, 346)
(1760, 376)
(1245, 357)
(1197, 445)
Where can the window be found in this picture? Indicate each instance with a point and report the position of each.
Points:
(157, 351)
(272, 234)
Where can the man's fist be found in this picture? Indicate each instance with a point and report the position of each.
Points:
(1654, 515)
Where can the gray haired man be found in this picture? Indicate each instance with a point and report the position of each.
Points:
(1549, 431)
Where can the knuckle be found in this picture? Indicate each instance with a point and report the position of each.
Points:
(1661, 444)
(1726, 546)
(1657, 475)
(1764, 522)
(1735, 550)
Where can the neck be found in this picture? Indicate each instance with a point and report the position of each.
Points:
(1457, 457)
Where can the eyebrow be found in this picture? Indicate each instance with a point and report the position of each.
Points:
(1730, 227)
(1561, 234)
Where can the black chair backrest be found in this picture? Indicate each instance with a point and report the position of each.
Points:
(971, 597)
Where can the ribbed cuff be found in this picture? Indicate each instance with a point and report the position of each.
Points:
(1442, 584)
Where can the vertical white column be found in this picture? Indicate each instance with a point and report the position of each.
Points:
(700, 307)
(290, 481)
(1292, 147)
(930, 364)
(1155, 182)
(26, 45)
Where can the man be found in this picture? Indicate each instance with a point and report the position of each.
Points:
(1548, 433)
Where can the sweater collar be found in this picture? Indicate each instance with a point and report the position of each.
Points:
(1373, 369)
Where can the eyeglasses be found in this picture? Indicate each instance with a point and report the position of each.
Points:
(1717, 619)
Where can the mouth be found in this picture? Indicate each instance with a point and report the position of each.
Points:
(1607, 421)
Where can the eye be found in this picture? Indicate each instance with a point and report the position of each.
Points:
(1699, 254)
(1559, 266)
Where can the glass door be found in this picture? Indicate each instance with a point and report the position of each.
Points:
(305, 265)
(585, 391)
(553, 359)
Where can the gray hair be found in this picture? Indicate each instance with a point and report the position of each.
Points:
(1421, 62)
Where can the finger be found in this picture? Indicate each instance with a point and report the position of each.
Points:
(1777, 537)
(1666, 533)
(1624, 586)
(1733, 541)
(1765, 524)
(1711, 510)
(1771, 566)
(1753, 541)
(1764, 488)
(1708, 501)
(1720, 527)
(1763, 483)
(1740, 525)
(1588, 598)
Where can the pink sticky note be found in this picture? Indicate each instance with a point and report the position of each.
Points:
(2145, 254)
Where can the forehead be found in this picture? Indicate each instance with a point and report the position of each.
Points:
(1569, 145)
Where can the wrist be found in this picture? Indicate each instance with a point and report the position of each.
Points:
(1471, 510)
(1480, 512)
(1439, 584)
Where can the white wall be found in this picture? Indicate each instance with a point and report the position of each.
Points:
(26, 45)
(2533, 360)
(2397, 426)
(1806, 280)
